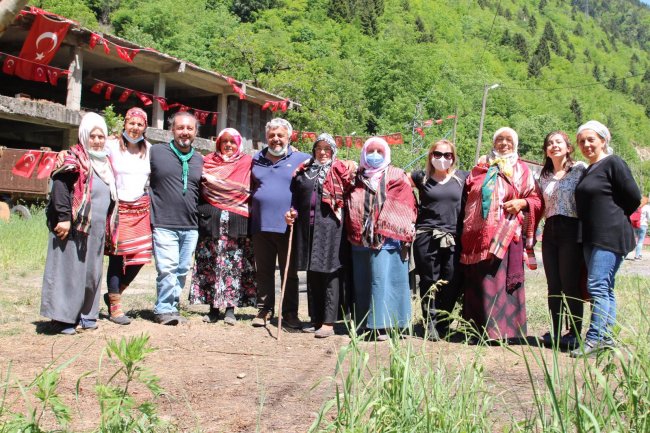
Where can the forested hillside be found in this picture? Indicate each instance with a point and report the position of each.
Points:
(381, 66)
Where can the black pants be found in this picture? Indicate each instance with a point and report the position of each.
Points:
(117, 276)
(563, 261)
(323, 296)
(269, 247)
(434, 264)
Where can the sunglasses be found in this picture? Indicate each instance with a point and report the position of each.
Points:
(438, 155)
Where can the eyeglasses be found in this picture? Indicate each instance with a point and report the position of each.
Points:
(438, 155)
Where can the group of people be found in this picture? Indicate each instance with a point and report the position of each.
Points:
(353, 227)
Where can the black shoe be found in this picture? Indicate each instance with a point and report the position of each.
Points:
(230, 318)
(212, 316)
(167, 319)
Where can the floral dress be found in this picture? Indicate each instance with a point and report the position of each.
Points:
(223, 274)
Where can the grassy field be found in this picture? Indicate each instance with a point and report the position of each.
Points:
(403, 386)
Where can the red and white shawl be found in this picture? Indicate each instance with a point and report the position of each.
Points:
(483, 238)
(226, 183)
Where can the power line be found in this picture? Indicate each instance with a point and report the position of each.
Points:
(577, 86)
(487, 40)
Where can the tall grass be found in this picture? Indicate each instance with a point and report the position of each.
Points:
(23, 242)
(411, 391)
(407, 393)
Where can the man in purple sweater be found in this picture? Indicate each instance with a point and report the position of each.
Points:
(272, 170)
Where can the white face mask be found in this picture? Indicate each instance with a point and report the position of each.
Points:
(277, 153)
(441, 164)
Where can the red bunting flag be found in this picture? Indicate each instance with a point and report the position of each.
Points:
(419, 131)
(46, 165)
(39, 73)
(266, 105)
(294, 136)
(162, 101)
(214, 119)
(428, 123)
(451, 116)
(125, 95)
(438, 121)
(27, 163)
(144, 99)
(283, 105)
(9, 65)
(308, 136)
(109, 91)
(98, 87)
(201, 115)
(43, 41)
(348, 141)
(236, 88)
(393, 139)
(53, 75)
(358, 142)
(126, 54)
(339, 141)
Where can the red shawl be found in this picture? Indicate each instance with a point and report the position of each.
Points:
(391, 210)
(492, 236)
(77, 161)
(226, 184)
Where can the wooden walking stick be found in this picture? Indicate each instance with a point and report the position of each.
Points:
(284, 280)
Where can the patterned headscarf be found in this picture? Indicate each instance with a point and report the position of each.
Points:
(136, 112)
(602, 132)
(327, 139)
(236, 135)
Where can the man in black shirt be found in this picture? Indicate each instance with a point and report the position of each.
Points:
(174, 187)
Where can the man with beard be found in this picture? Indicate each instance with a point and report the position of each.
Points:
(176, 169)
(273, 168)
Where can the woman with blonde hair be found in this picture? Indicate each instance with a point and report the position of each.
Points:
(436, 248)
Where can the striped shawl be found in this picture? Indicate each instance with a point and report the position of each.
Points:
(226, 184)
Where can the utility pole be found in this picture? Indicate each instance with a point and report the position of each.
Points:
(486, 89)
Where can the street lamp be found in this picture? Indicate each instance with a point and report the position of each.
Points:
(486, 88)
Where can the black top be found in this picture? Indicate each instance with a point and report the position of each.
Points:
(605, 198)
(59, 208)
(318, 239)
(170, 208)
(439, 203)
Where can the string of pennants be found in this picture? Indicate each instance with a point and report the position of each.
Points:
(147, 99)
(31, 159)
(430, 122)
(33, 71)
(347, 140)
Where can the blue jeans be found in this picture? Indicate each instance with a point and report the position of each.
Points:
(640, 234)
(602, 266)
(173, 250)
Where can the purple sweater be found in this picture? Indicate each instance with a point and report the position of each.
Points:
(271, 197)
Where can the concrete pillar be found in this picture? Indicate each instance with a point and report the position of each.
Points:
(222, 119)
(158, 115)
(73, 98)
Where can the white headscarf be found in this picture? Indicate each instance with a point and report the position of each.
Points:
(602, 132)
(100, 162)
(506, 162)
(371, 173)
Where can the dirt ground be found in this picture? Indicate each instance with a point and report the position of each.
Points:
(220, 378)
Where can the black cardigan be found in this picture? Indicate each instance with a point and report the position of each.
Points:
(605, 198)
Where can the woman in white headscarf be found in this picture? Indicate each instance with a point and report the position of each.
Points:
(380, 226)
(83, 192)
(605, 198)
(502, 207)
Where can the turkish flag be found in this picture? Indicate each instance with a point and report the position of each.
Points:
(214, 119)
(419, 131)
(125, 95)
(339, 141)
(358, 142)
(46, 165)
(39, 73)
(124, 53)
(109, 91)
(294, 136)
(348, 141)
(395, 138)
(163, 102)
(146, 101)
(98, 87)
(428, 122)
(266, 105)
(42, 43)
(9, 65)
(27, 163)
(53, 75)
(201, 115)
